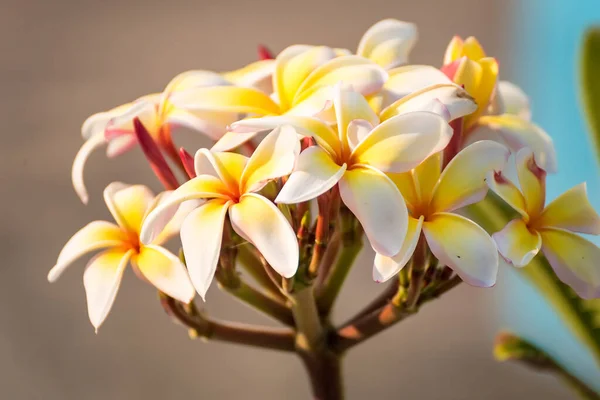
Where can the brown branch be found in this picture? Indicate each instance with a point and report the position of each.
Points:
(263, 337)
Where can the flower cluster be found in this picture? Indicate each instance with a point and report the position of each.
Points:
(364, 141)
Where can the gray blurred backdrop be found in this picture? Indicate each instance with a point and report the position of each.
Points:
(63, 60)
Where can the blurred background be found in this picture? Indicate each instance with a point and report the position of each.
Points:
(63, 60)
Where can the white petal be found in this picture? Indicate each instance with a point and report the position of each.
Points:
(101, 279)
(261, 222)
(388, 42)
(411, 78)
(83, 154)
(315, 174)
(513, 100)
(274, 157)
(201, 237)
(518, 244)
(378, 205)
(386, 268)
(166, 272)
(94, 236)
(120, 144)
(463, 246)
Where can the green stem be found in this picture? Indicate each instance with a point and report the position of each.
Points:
(252, 264)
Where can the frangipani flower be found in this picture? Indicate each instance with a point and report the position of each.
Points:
(549, 228)
(157, 114)
(358, 158)
(301, 81)
(431, 195)
(503, 113)
(121, 246)
(229, 183)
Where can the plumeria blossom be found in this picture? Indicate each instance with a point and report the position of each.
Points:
(431, 195)
(160, 116)
(358, 157)
(229, 184)
(121, 246)
(388, 42)
(551, 229)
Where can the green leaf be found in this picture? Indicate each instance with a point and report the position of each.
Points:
(590, 83)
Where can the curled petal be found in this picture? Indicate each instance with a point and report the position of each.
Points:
(455, 100)
(142, 109)
(201, 187)
(378, 205)
(518, 133)
(258, 75)
(388, 42)
(532, 180)
(84, 152)
(358, 130)
(94, 236)
(128, 204)
(574, 260)
(384, 267)
(350, 105)
(120, 144)
(315, 174)
(463, 181)
(165, 271)
(571, 211)
(201, 237)
(210, 123)
(403, 142)
(274, 157)
(101, 279)
(463, 246)
(517, 244)
(261, 223)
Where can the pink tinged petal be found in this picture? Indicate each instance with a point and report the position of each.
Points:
(388, 42)
(225, 99)
(463, 246)
(508, 192)
(571, 211)
(455, 100)
(95, 124)
(463, 181)
(315, 174)
(261, 222)
(228, 167)
(120, 145)
(386, 268)
(378, 205)
(144, 110)
(403, 142)
(165, 271)
(201, 237)
(201, 187)
(264, 53)
(513, 100)
(101, 279)
(128, 204)
(574, 260)
(232, 140)
(363, 75)
(517, 244)
(518, 133)
(83, 154)
(532, 180)
(411, 78)
(94, 236)
(305, 126)
(274, 157)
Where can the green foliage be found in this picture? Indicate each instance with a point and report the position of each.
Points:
(590, 83)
